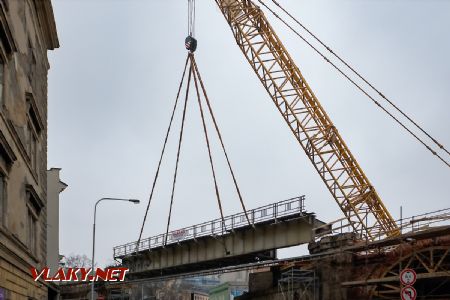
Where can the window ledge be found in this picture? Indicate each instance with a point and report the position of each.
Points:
(35, 200)
(6, 150)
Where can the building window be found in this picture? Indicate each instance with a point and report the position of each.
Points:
(2, 201)
(32, 231)
(33, 153)
(2, 70)
(31, 141)
(34, 205)
(31, 63)
(32, 133)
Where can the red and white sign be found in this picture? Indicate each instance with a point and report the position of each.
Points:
(408, 277)
(409, 293)
(179, 234)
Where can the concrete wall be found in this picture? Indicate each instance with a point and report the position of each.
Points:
(27, 32)
(54, 187)
(239, 276)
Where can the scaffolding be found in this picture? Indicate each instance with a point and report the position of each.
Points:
(295, 284)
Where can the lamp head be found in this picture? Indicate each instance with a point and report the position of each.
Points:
(135, 201)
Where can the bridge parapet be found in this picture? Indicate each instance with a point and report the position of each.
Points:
(217, 227)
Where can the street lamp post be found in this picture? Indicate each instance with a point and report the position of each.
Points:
(135, 201)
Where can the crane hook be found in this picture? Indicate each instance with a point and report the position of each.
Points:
(190, 43)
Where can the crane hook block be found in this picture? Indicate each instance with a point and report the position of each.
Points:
(190, 43)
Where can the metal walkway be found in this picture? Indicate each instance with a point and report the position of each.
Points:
(216, 244)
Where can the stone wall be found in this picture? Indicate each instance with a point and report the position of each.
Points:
(27, 32)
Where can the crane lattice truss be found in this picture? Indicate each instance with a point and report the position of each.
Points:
(308, 120)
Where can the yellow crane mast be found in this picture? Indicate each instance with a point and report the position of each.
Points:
(308, 121)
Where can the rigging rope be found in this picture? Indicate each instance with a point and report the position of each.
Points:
(209, 148)
(220, 139)
(163, 150)
(178, 152)
(356, 85)
(193, 72)
(362, 78)
(191, 45)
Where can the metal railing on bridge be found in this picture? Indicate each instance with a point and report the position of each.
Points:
(406, 225)
(216, 227)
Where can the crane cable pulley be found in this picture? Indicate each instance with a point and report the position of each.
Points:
(198, 84)
(359, 87)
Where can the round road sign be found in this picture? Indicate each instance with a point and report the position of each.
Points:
(409, 293)
(408, 277)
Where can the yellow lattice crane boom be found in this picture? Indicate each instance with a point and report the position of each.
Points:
(308, 121)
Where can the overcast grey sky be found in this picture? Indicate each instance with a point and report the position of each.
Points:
(113, 82)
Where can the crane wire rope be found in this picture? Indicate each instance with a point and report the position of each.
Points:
(162, 152)
(440, 145)
(191, 18)
(357, 86)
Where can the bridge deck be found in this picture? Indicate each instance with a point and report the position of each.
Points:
(216, 243)
(215, 228)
